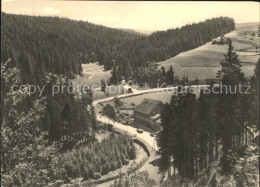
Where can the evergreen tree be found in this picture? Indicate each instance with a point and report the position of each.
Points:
(163, 71)
(117, 103)
(164, 137)
(231, 76)
(170, 76)
(231, 73)
(103, 86)
(109, 111)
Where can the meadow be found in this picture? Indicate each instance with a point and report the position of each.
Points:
(204, 61)
(92, 74)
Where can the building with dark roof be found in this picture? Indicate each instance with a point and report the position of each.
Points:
(148, 113)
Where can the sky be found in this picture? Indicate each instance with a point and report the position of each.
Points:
(138, 15)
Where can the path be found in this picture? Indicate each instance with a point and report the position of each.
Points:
(145, 136)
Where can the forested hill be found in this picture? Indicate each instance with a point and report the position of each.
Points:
(59, 45)
(162, 45)
(173, 41)
(55, 44)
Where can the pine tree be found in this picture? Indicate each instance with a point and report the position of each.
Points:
(109, 111)
(231, 75)
(114, 76)
(103, 86)
(170, 76)
(117, 103)
(164, 137)
(163, 71)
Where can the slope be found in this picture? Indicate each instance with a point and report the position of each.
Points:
(204, 61)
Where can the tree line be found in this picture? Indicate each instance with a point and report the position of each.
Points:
(59, 45)
(137, 55)
(41, 51)
(213, 128)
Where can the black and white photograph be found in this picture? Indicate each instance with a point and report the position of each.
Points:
(130, 93)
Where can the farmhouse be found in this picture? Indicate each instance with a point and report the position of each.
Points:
(148, 113)
(222, 40)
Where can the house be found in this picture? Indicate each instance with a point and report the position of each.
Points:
(148, 113)
(222, 40)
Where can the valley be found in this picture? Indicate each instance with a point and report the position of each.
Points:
(200, 63)
(142, 115)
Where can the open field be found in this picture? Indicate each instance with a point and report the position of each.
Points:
(204, 61)
(92, 74)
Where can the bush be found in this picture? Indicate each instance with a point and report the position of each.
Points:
(203, 181)
(85, 173)
(64, 174)
(132, 153)
(68, 180)
(97, 175)
(126, 161)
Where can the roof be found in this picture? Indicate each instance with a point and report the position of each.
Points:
(147, 106)
(151, 101)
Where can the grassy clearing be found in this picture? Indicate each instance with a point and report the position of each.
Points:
(93, 73)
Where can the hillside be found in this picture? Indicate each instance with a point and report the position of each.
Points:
(162, 45)
(59, 45)
(133, 57)
(56, 44)
(204, 61)
(136, 53)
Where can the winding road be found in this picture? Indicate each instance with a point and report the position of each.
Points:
(145, 136)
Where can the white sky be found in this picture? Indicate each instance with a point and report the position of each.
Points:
(143, 15)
